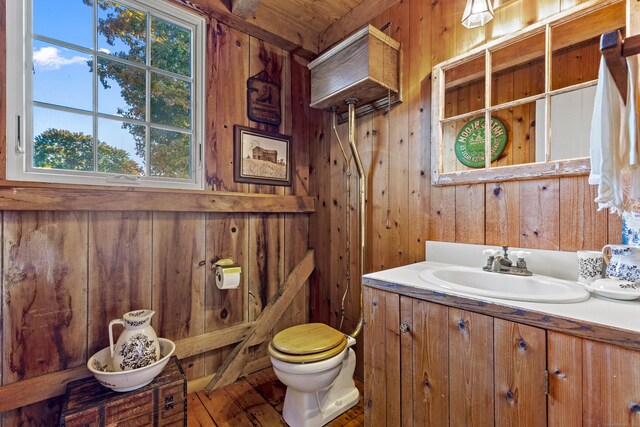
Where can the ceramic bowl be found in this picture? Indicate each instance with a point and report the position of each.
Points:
(615, 289)
(99, 363)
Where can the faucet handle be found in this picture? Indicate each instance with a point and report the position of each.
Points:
(490, 252)
(505, 248)
(520, 254)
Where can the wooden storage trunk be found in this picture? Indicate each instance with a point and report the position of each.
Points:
(364, 66)
(163, 402)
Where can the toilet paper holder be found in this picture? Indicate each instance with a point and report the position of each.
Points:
(225, 266)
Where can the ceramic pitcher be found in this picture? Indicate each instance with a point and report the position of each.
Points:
(137, 345)
(624, 262)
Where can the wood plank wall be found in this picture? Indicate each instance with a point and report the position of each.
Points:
(65, 275)
(552, 213)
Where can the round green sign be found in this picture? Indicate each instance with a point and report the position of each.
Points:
(470, 142)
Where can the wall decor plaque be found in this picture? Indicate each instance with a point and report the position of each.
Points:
(263, 99)
(469, 144)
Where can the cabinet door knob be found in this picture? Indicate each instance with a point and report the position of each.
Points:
(404, 327)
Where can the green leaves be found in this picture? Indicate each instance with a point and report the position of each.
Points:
(62, 149)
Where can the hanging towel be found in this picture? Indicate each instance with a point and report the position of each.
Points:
(607, 151)
(632, 135)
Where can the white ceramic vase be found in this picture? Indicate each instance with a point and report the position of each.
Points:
(138, 344)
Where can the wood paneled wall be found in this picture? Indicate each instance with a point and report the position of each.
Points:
(65, 275)
(552, 213)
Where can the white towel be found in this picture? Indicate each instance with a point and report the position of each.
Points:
(632, 135)
(607, 152)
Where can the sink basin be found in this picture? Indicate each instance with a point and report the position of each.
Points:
(534, 288)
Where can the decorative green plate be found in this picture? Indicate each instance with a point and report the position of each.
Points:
(470, 142)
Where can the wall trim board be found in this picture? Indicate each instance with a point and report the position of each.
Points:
(127, 199)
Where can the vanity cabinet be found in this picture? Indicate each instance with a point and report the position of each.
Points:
(427, 364)
(592, 383)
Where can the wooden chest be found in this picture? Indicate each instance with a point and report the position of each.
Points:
(163, 402)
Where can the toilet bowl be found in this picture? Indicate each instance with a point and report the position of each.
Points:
(316, 363)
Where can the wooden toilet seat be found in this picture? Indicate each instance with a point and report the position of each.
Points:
(311, 342)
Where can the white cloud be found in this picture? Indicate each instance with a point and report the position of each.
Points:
(49, 58)
(104, 50)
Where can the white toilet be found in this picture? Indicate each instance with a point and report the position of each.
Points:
(316, 364)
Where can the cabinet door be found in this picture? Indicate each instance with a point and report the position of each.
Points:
(611, 394)
(425, 364)
(564, 362)
(381, 358)
(520, 364)
(470, 369)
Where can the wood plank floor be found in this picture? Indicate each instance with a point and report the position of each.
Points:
(254, 401)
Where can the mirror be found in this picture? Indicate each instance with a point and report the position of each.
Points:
(525, 100)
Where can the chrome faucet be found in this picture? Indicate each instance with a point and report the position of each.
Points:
(502, 264)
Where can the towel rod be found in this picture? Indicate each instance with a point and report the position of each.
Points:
(614, 49)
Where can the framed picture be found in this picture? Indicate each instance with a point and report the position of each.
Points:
(261, 157)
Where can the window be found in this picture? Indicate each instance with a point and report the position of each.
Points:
(520, 107)
(105, 92)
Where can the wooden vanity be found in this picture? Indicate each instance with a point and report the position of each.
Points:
(437, 359)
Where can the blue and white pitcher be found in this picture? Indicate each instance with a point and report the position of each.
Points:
(624, 262)
(137, 345)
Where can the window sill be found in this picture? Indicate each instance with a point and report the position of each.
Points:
(28, 196)
(521, 172)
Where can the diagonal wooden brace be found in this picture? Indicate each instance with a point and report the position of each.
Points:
(233, 364)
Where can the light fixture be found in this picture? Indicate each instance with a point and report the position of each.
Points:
(477, 13)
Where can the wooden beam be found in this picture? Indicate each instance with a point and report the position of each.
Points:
(298, 40)
(357, 18)
(234, 363)
(128, 199)
(202, 343)
(46, 386)
(611, 48)
(242, 8)
(40, 388)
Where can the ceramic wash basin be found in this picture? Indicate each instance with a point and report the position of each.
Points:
(475, 281)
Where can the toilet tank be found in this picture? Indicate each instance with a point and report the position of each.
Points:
(365, 66)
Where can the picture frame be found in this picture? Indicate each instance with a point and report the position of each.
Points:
(261, 157)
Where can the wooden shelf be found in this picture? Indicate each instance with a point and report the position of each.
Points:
(30, 197)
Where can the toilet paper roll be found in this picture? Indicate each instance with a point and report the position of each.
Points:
(227, 278)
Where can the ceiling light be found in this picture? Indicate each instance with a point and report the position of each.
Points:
(477, 13)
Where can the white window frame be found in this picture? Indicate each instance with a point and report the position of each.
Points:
(19, 104)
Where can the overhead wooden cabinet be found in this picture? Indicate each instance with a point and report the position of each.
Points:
(365, 66)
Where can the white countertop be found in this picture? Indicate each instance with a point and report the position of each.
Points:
(623, 315)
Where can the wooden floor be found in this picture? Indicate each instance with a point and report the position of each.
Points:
(254, 401)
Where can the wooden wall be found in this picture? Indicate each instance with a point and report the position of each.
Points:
(552, 213)
(66, 274)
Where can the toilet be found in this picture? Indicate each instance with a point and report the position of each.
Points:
(316, 363)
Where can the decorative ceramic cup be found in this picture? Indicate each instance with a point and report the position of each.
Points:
(590, 265)
(624, 262)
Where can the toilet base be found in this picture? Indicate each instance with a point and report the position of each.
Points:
(317, 409)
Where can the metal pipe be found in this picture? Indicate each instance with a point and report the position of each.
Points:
(362, 179)
(347, 162)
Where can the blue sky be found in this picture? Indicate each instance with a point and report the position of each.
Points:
(62, 76)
